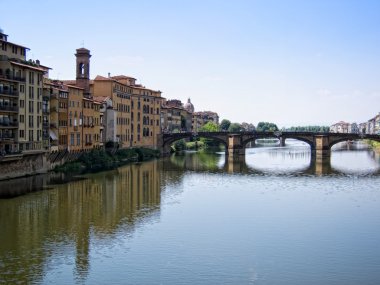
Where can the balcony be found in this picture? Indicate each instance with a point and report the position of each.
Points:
(53, 125)
(7, 125)
(8, 92)
(13, 109)
(13, 77)
(45, 124)
(4, 137)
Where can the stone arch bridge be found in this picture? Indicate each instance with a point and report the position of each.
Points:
(235, 142)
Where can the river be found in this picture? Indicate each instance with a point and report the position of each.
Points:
(275, 217)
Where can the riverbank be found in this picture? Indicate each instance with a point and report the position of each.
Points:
(99, 160)
(374, 145)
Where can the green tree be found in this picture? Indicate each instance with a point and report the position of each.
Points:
(266, 127)
(234, 127)
(225, 124)
(210, 127)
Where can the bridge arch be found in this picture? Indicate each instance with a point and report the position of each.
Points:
(343, 139)
(170, 139)
(309, 141)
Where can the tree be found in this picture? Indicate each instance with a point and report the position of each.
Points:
(234, 127)
(210, 127)
(266, 127)
(225, 124)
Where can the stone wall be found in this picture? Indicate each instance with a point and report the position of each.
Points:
(27, 164)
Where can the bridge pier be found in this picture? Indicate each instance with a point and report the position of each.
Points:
(322, 151)
(235, 146)
(282, 141)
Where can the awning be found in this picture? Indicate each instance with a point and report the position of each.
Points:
(53, 136)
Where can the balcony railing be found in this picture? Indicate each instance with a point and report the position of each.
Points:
(8, 124)
(45, 124)
(7, 137)
(8, 92)
(9, 108)
(13, 77)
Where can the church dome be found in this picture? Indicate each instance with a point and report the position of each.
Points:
(189, 106)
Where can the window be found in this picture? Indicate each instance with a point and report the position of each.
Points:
(22, 119)
(22, 88)
(31, 77)
(22, 133)
(22, 103)
(31, 123)
(78, 139)
(31, 92)
(71, 139)
(31, 107)
(31, 135)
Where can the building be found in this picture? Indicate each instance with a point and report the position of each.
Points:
(137, 110)
(176, 117)
(377, 124)
(353, 128)
(370, 128)
(201, 118)
(23, 108)
(340, 127)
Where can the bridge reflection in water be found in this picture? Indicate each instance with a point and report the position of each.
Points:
(40, 230)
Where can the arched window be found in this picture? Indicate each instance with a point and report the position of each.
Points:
(81, 68)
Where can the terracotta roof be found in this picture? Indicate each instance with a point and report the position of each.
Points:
(102, 78)
(73, 86)
(29, 66)
(101, 99)
(69, 82)
(122, 77)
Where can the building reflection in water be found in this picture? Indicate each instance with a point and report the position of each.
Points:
(41, 228)
(46, 228)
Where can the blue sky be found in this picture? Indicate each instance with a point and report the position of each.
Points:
(292, 62)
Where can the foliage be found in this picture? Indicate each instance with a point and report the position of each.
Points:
(225, 124)
(321, 129)
(179, 145)
(98, 160)
(234, 127)
(70, 167)
(210, 127)
(183, 122)
(195, 145)
(266, 127)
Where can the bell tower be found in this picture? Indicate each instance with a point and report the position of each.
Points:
(83, 70)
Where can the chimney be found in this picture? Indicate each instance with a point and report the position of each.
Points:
(109, 75)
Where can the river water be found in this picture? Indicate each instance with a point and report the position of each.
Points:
(275, 217)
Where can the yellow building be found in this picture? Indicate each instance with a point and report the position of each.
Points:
(137, 110)
(21, 100)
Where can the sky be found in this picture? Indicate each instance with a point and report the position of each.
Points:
(291, 62)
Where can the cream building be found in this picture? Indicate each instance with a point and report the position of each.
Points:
(23, 110)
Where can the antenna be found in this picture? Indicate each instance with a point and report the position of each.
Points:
(82, 43)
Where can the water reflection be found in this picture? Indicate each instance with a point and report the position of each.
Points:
(40, 229)
(58, 230)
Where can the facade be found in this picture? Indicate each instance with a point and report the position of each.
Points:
(353, 128)
(340, 127)
(22, 107)
(137, 110)
(176, 117)
(377, 124)
(202, 118)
